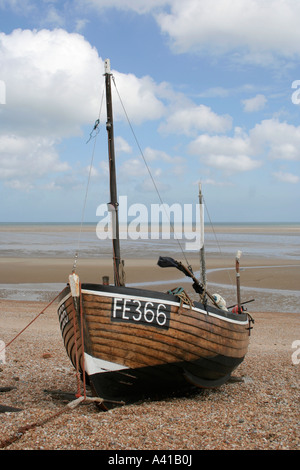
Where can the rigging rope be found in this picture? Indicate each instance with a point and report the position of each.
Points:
(219, 247)
(96, 127)
(149, 171)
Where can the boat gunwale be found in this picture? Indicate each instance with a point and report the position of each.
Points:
(144, 294)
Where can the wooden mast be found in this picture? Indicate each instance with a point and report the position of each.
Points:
(113, 205)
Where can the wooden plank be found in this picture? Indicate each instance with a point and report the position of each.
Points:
(193, 332)
(178, 350)
(95, 307)
(179, 341)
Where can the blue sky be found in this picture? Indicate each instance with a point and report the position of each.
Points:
(212, 91)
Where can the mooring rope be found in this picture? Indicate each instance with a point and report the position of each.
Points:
(30, 323)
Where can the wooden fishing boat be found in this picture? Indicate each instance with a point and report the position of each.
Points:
(128, 342)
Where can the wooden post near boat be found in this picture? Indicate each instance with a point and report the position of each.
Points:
(202, 251)
(237, 269)
(113, 205)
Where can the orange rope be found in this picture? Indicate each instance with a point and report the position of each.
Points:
(82, 348)
(82, 343)
(76, 350)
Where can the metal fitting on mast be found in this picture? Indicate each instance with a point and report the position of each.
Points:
(107, 66)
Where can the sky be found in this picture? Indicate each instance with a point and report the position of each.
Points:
(211, 93)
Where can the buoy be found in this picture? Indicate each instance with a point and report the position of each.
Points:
(220, 302)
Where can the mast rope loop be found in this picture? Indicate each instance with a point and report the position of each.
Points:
(95, 128)
(149, 171)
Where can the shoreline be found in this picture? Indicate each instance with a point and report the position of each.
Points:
(255, 272)
(91, 226)
(272, 283)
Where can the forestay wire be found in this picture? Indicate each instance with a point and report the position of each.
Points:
(217, 241)
(149, 171)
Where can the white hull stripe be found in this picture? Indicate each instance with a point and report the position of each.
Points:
(169, 302)
(97, 366)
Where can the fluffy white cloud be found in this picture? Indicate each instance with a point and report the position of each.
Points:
(268, 140)
(231, 154)
(154, 154)
(177, 163)
(254, 104)
(257, 31)
(191, 119)
(24, 159)
(280, 139)
(206, 144)
(122, 146)
(131, 169)
(53, 82)
(286, 177)
(50, 93)
(258, 28)
(54, 78)
(18, 6)
(139, 98)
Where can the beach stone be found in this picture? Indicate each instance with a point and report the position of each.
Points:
(9, 409)
(7, 389)
(46, 355)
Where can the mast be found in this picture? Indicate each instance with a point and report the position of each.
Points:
(113, 205)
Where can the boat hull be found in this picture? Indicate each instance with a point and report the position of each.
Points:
(133, 343)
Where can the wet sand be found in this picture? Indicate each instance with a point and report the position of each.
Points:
(263, 273)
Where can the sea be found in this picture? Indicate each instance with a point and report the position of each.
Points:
(266, 241)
